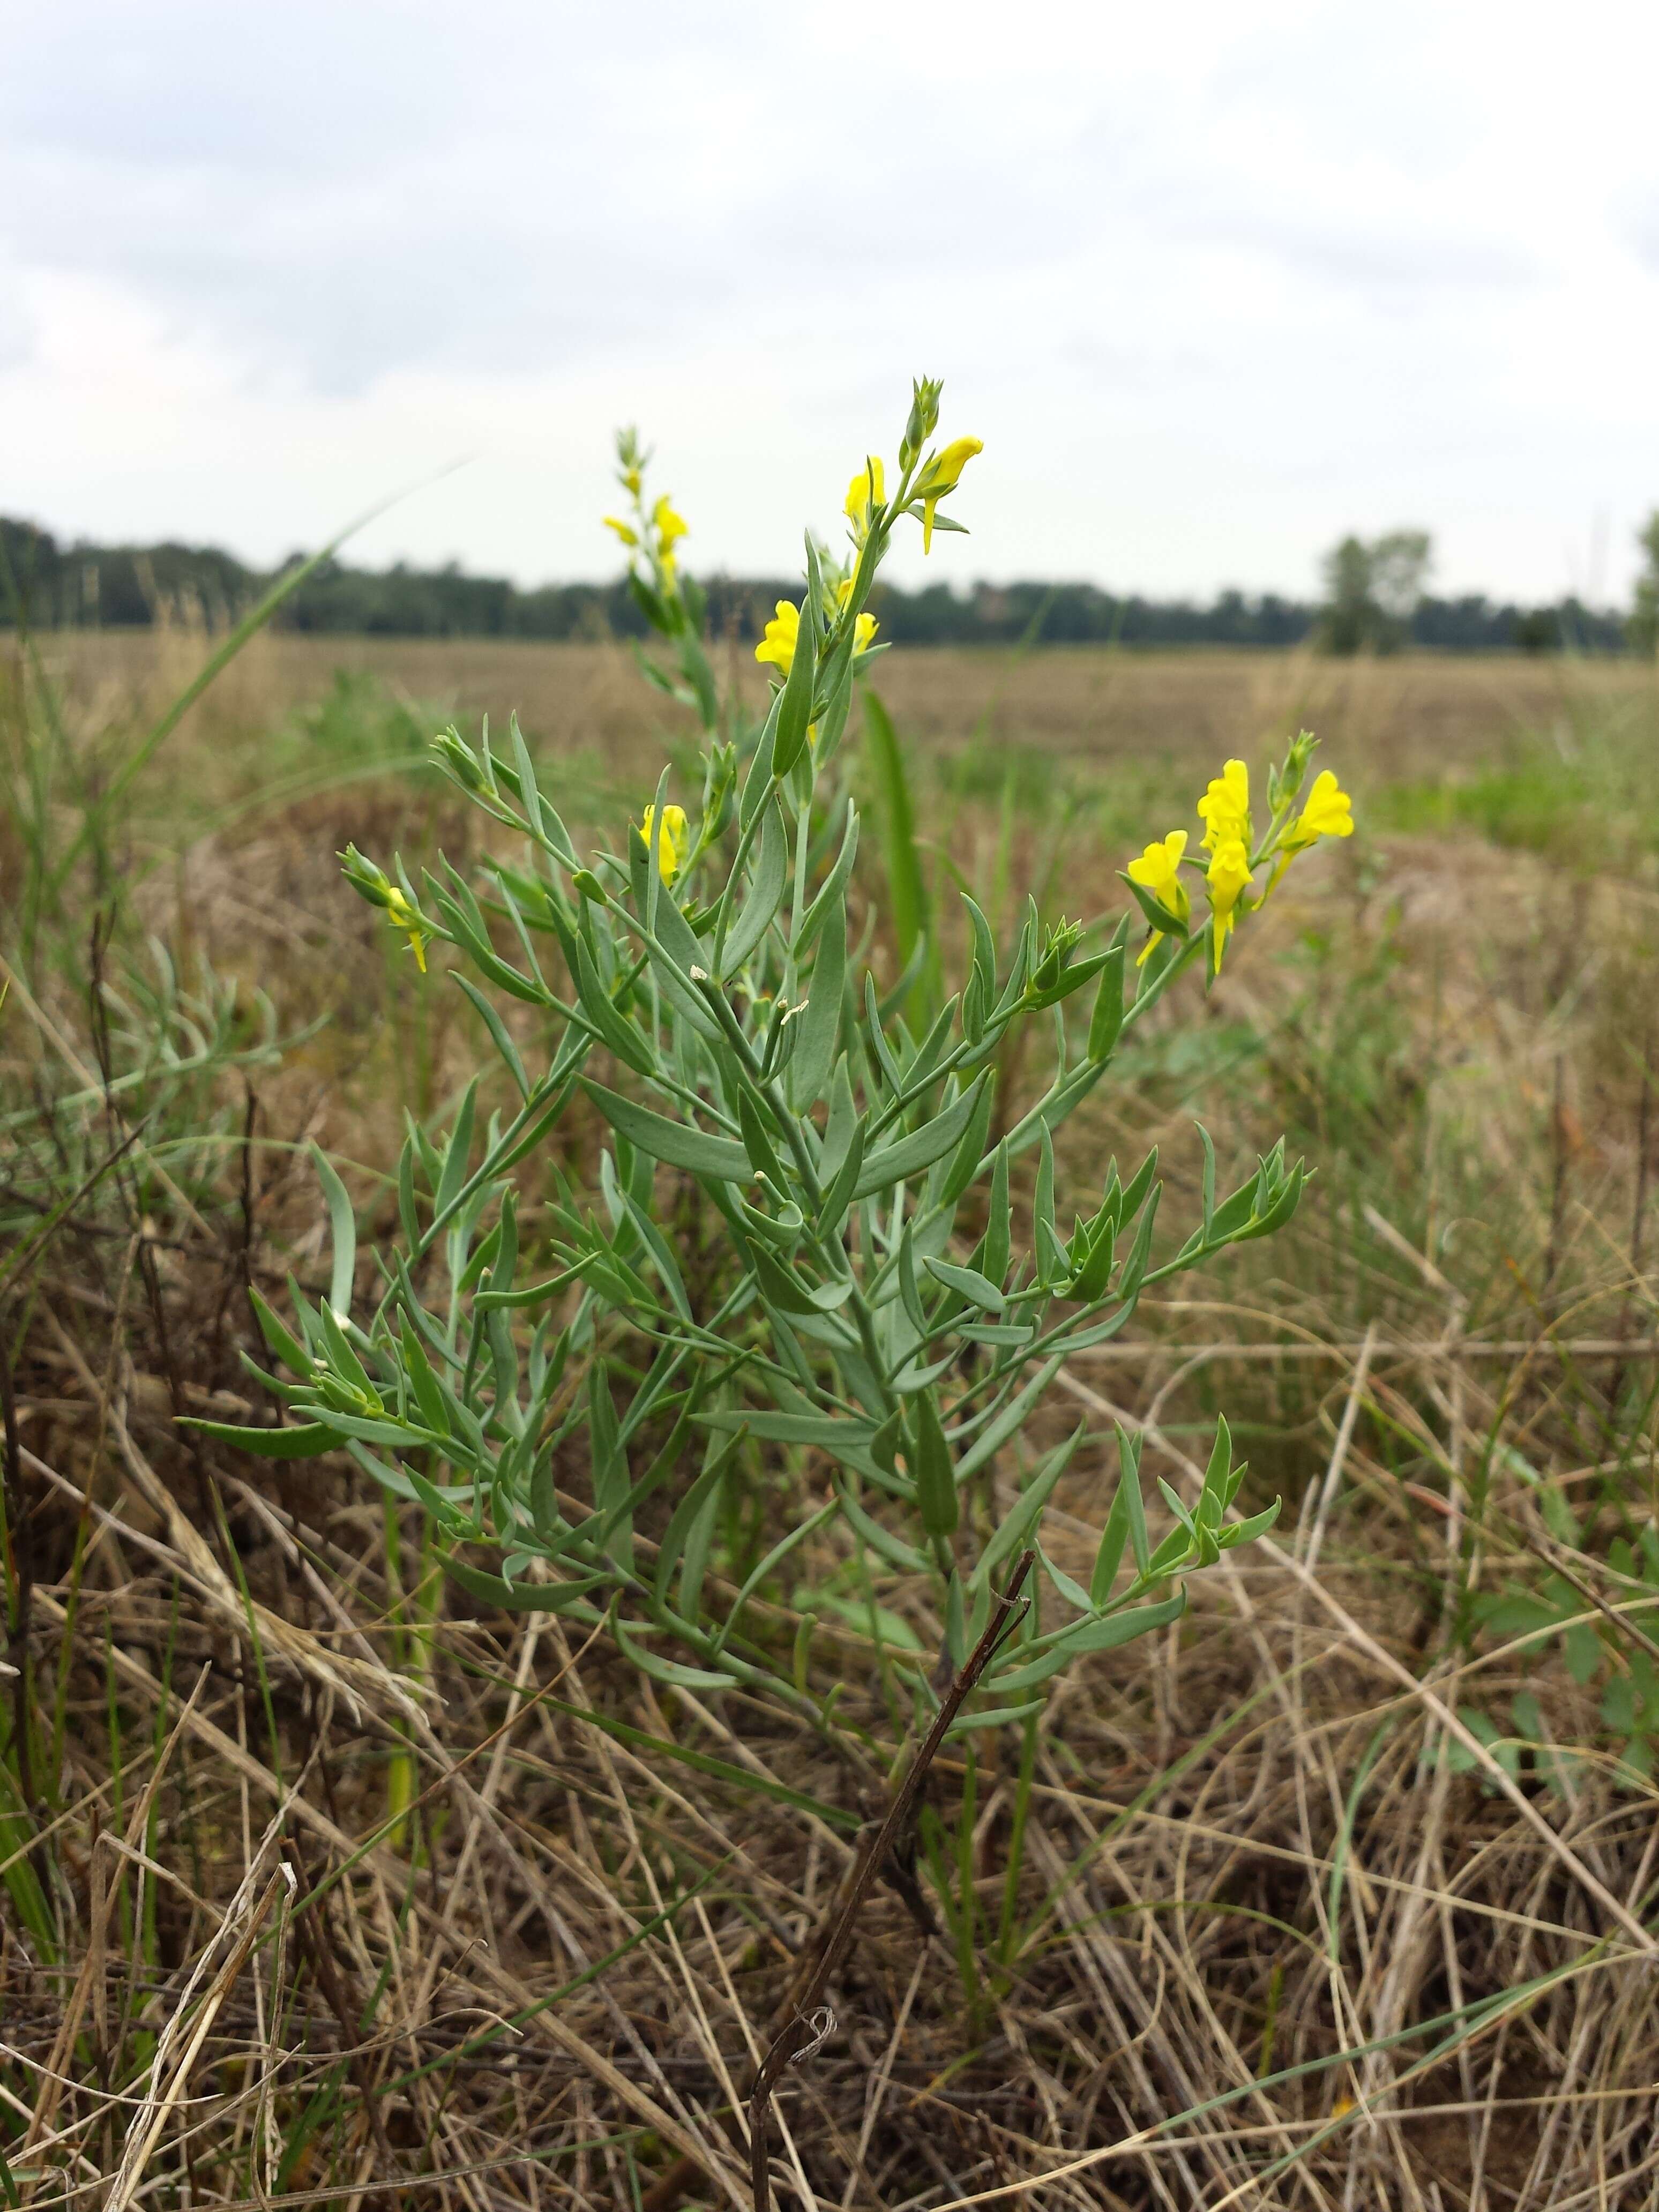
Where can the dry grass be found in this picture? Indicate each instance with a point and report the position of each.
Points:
(1402, 717)
(322, 1887)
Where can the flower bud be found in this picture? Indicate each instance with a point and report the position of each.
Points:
(924, 418)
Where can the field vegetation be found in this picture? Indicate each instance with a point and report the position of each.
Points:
(326, 1882)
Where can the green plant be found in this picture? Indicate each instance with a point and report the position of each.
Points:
(1644, 624)
(799, 1235)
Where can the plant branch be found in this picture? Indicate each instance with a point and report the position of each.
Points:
(807, 2019)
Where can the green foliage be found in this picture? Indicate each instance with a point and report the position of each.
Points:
(1643, 626)
(1582, 794)
(1615, 1647)
(587, 1383)
(1372, 589)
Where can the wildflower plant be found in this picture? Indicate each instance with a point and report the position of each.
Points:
(552, 1378)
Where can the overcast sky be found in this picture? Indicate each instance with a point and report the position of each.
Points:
(1215, 283)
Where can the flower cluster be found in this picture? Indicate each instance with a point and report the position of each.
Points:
(1231, 852)
(654, 532)
(925, 478)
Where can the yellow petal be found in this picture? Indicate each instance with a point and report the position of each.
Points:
(778, 644)
(671, 842)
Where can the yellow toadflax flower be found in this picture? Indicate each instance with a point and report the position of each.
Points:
(625, 531)
(1328, 811)
(672, 840)
(1158, 870)
(942, 475)
(402, 915)
(865, 628)
(669, 528)
(1227, 879)
(1224, 809)
(867, 489)
(778, 645)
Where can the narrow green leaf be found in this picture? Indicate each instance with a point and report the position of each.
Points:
(968, 1284)
(808, 1072)
(517, 1597)
(936, 1484)
(676, 1143)
(669, 1670)
(498, 1034)
(304, 1441)
(342, 1232)
(831, 897)
(1024, 1514)
(1106, 1019)
(766, 890)
(907, 891)
(909, 1155)
(1084, 1636)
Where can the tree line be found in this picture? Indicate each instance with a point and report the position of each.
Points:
(1376, 600)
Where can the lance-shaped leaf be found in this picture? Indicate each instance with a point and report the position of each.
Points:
(1023, 1515)
(675, 1143)
(614, 1027)
(342, 1228)
(765, 892)
(1107, 1634)
(829, 900)
(1125, 1524)
(968, 1284)
(304, 1441)
(808, 1071)
(517, 1597)
(795, 707)
(1107, 1017)
(684, 1517)
(669, 1670)
(935, 1479)
(895, 1161)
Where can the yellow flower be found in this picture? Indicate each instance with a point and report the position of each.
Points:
(1328, 811)
(403, 916)
(668, 525)
(1224, 809)
(866, 490)
(672, 840)
(1228, 876)
(627, 535)
(863, 632)
(1158, 870)
(942, 475)
(778, 646)
(631, 478)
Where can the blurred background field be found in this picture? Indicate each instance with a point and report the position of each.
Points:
(1314, 1818)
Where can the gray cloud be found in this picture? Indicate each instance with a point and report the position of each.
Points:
(1260, 257)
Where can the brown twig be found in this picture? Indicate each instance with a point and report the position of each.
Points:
(809, 2019)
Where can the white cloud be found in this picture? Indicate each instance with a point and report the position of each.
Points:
(1214, 282)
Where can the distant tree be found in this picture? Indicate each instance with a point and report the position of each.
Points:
(1372, 589)
(1374, 601)
(1644, 625)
